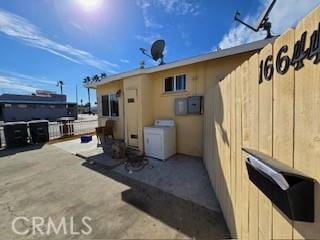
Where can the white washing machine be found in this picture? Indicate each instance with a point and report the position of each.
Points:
(160, 139)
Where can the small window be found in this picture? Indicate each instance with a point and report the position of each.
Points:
(114, 105)
(175, 83)
(169, 84)
(105, 105)
(181, 82)
(110, 105)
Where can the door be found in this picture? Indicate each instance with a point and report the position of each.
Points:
(154, 145)
(132, 117)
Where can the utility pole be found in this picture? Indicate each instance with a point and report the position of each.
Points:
(89, 100)
(77, 93)
(77, 98)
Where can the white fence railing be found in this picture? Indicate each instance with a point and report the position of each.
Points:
(60, 129)
(2, 140)
(78, 127)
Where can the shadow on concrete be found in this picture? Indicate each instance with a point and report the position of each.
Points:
(12, 151)
(185, 216)
(102, 157)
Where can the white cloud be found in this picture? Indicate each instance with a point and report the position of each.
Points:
(124, 61)
(186, 38)
(113, 72)
(148, 39)
(20, 28)
(22, 82)
(151, 63)
(76, 25)
(8, 83)
(285, 14)
(165, 51)
(148, 21)
(27, 77)
(178, 7)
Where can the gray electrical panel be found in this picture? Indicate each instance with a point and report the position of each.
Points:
(181, 106)
(195, 105)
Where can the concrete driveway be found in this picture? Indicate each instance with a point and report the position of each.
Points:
(47, 182)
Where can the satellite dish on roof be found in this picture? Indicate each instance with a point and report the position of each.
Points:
(263, 21)
(157, 49)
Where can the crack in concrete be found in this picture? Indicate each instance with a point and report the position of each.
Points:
(12, 213)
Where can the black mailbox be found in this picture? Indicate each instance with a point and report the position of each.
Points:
(286, 187)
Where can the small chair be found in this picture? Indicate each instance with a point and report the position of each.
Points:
(105, 131)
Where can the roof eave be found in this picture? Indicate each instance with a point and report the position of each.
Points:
(249, 47)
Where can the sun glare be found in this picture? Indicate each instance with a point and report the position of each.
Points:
(90, 5)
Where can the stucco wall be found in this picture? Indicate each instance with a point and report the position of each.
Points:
(155, 104)
(200, 77)
(147, 99)
(143, 85)
(119, 121)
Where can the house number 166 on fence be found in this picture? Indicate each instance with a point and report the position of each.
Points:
(283, 62)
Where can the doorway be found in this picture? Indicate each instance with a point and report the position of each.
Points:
(132, 108)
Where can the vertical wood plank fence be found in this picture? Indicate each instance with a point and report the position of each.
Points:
(279, 117)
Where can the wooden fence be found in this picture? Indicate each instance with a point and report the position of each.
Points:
(279, 117)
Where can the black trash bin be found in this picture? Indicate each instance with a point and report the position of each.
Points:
(66, 128)
(16, 134)
(39, 131)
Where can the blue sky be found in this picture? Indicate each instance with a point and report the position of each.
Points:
(43, 41)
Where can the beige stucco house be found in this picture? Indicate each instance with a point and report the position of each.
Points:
(137, 98)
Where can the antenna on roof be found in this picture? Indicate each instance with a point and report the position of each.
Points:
(157, 49)
(263, 21)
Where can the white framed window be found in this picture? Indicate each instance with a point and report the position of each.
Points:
(181, 82)
(110, 105)
(175, 83)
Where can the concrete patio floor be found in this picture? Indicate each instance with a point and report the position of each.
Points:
(48, 181)
(75, 146)
(181, 175)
